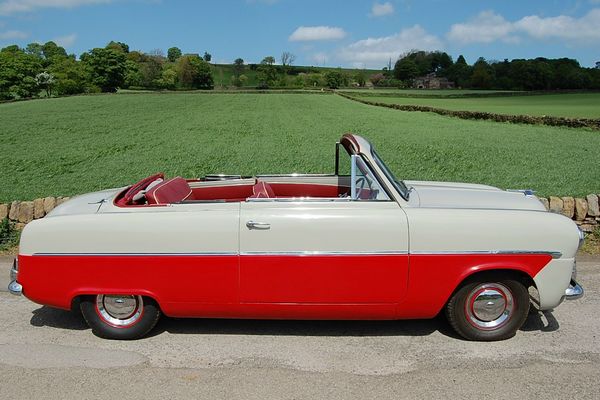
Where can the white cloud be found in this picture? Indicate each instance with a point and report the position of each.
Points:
(375, 51)
(586, 28)
(11, 35)
(381, 9)
(8, 7)
(66, 41)
(488, 27)
(314, 33)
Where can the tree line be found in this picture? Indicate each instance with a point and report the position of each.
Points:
(47, 69)
(518, 74)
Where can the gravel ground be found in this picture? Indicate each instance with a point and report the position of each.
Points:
(51, 354)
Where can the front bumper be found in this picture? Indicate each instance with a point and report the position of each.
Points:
(14, 287)
(574, 291)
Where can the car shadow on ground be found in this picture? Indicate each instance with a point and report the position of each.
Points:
(60, 319)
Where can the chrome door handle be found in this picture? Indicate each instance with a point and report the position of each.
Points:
(258, 225)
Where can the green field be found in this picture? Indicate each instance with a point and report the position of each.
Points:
(426, 92)
(577, 105)
(65, 146)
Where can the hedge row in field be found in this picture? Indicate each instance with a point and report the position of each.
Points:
(515, 119)
(449, 95)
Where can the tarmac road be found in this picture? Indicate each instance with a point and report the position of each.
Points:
(51, 354)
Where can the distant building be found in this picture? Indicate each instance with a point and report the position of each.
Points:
(430, 81)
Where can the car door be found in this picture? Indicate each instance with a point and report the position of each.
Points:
(323, 252)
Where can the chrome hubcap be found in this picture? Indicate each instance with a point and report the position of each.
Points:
(489, 306)
(120, 311)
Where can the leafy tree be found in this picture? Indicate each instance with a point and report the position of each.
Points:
(335, 79)
(267, 74)
(71, 76)
(133, 75)
(238, 67)
(173, 54)
(17, 73)
(45, 81)
(406, 69)
(482, 77)
(107, 68)
(459, 72)
(168, 79)
(207, 56)
(194, 72)
(151, 68)
(51, 50)
(118, 46)
(376, 78)
(35, 49)
(360, 78)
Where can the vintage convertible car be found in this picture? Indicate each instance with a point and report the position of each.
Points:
(357, 244)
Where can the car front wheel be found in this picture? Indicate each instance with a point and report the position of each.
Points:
(488, 310)
(120, 316)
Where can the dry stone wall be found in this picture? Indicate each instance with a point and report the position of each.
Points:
(585, 211)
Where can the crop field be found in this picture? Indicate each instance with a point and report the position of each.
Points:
(66, 146)
(577, 105)
(426, 92)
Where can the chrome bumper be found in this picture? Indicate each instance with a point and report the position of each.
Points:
(574, 291)
(14, 287)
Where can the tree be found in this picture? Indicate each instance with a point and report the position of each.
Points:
(107, 68)
(597, 65)
(45, 81)
(266, 73)
(360, 78)
(287, 59)
(51, 50)
(406, 69)
(118, 46)
(482, 77)
(194, 72)
(173, 54)
(71, 76)
(334, 79)
(17, 73)
(207, 56)
(238, 67)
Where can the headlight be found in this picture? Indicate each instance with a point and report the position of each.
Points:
(581, 237)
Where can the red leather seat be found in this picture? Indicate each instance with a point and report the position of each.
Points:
(262, 190)
(171, 191)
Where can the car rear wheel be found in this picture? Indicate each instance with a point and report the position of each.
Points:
(120, 316)
(488, 309)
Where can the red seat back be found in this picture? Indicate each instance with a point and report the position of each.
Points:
(171, 191)
(262, 190)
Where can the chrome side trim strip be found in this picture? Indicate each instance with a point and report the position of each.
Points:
(323, 253)
(224, 253)
(554, 254)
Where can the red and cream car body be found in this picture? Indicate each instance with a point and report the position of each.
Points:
(361, 245)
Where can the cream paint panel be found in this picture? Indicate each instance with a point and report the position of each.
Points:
(455, 230)
(193, 228)
(324, 227)
(552, 281)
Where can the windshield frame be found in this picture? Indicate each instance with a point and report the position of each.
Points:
(399, 185)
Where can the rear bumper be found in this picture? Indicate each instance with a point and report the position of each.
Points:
(574, 291)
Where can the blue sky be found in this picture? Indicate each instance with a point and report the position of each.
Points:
(326, 32)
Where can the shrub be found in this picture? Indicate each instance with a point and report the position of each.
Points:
(9, 234)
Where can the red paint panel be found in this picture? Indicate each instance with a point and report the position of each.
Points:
(433, 278)
(56, 280)
(323, 279)
(306, 287)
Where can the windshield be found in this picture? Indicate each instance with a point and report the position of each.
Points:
(398, 184)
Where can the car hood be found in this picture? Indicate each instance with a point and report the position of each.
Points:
(88, 203)
(465, 195)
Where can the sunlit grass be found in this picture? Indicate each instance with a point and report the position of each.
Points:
(66, 146)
